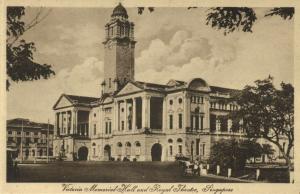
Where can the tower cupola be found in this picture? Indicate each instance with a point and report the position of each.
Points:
(119, 11)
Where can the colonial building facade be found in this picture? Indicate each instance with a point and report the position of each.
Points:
(29, 139)
(139, 120)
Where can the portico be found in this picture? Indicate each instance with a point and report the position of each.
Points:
(135, 113)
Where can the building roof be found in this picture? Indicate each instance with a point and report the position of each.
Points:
(152, 86)
(217, 89)
(26, 123)
(81, 99)
(178, 84)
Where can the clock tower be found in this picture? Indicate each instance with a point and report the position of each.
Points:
(118, 51)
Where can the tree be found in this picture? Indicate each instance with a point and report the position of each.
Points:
(230, 19)
(268, 113)
(20, 64)
(233, 153)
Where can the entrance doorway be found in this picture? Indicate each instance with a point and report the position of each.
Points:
(156, 151)
(83, 153)
(107, 152)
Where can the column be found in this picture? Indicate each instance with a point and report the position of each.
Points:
(116, 115)
(187, 111)
(229, 125)
(72, 121)
(133, 114)
(218, 127)
(149, 111)
(67, 122)
(125, 115)
(145, 111)
(75, 121)
(62, 123)
(56, 125)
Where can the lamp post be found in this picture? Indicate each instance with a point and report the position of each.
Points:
(22, 130)
(48, 143)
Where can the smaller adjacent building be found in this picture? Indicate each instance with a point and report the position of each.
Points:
(29, 137)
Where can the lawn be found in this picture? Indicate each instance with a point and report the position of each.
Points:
(104, 172)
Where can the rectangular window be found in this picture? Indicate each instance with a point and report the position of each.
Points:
(197, 146)
(171, 121)
(95, 129)
(109, 128)
(106, 127)
(171, 150)
(19, 133)
(197, 122)
(27, 141)
(109, 83)
(201, 122)
(9, 132)
(192, 123)
(180, 149)
(203, 149)
(18, 140)
(122, 125)
(180, 121)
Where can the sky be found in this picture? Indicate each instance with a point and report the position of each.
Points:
(172, 43)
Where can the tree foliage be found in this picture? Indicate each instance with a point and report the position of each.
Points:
(20, 64)
(233, 153)
(268, 113)
(283, 12)
(230, 19)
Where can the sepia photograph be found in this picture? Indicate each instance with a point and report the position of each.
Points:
(149, 94)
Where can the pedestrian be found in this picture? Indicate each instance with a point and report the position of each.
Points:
(196, 168)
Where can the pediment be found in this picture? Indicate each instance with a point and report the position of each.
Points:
(108, 100)
(63, 101)
(129, 88)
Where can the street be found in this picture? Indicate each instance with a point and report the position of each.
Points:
(106, 172)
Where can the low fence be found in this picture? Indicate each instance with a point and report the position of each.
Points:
(273, 174)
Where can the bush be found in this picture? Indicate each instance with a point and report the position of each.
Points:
(181, 157)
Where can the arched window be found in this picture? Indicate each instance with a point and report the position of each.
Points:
(119, 144)
(119, 148)
(180, 100)
(94, 144)
(137, 148)
(128, 149)
(170, 140)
